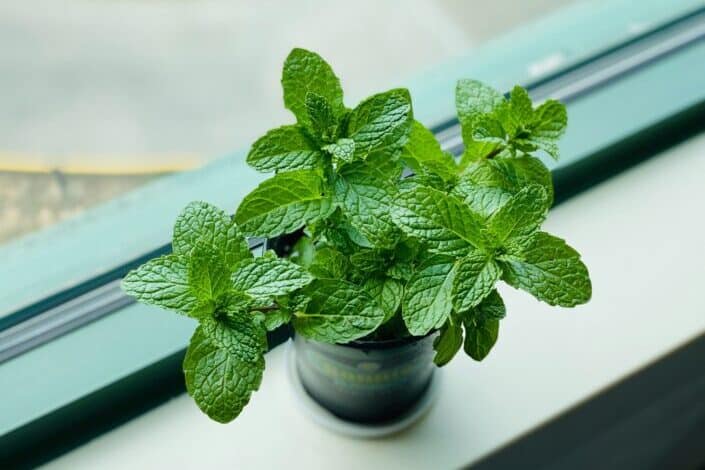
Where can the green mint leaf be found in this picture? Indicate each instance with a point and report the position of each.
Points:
(480, 336)
(283, 204)
(239, 334)
(276, 318)
(369, 261)
(488, 129)
(473, 101)
(266, 277)
(520, 107)
(517, 114)
(423, 154)
(285, 148)
(337, 312)
(306, 72)
(550, 270)
(386, 164)
(345, 238)
(482, 325)
(476, 276)
(483, 200)
(365, 200)
(548, 125)
(203, 223)
(440, 169)
(329, 263)
(340, 235)
(520, 217)
(208, 276)
(380, 121)
(324, 122)
(224, 365)
(523, 171)
(356, 237)
(486, 185)
(387, 292)
(448, 343)
(476, 150)
(443, 221)
(401, 270)
(491, 306)
(233, 302)
(430, 180)
(303, 252)
(427, 297)
(550, 122)
(162, 282)
(343, 151)
(550, 119)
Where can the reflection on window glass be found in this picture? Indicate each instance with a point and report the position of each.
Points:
(108, 95)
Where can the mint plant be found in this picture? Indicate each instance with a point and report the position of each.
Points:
(378, 256)
(483, 221)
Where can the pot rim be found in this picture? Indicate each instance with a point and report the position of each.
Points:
(384, 344)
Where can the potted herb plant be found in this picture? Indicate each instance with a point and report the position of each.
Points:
(380, 275)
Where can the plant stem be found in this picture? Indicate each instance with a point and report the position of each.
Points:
(493, 153)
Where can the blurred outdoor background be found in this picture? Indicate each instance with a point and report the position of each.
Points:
(101, 96)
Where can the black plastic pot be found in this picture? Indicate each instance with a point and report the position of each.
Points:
(366, 382)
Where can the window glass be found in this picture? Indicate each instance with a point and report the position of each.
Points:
(106, 96)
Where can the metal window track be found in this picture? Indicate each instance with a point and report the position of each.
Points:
(33, 326)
